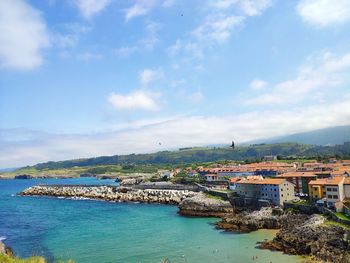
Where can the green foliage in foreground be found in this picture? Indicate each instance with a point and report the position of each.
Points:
(342, 216)
(8, 259)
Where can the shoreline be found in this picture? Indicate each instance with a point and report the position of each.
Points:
(295, 233)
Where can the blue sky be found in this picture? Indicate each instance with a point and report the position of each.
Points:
(81, 78)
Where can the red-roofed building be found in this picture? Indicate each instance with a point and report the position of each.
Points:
(276, 191)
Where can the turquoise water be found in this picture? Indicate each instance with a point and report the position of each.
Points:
(101, 232)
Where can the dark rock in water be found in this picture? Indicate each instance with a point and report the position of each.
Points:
(23, 176)
(87, 175)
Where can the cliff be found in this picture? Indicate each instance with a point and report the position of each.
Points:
(308, 235)
(244, 222)
(201, 205)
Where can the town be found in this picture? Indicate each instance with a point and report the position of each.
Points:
(272, 182)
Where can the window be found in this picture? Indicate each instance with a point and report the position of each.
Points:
(275, 195)
(335, 196)
(281, 189)
(316, 196)
(335, 190)
(329, 189)
(329, 196)
(282, 195)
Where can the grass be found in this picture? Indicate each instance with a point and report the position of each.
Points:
(342, 216)
(333, 223)
(213, 197)
(301, 202)
(8, 259)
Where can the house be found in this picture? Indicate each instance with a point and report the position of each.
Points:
(270, 158)
(166, 174)
(329, 189)
(276, 191)
(233, 182)
(300, 180)
(211, 177)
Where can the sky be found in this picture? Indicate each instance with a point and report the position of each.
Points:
(83, 78)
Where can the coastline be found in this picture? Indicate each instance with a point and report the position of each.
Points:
(296, 233)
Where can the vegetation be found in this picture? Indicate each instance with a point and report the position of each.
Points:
(213, 197)
(342, 216)
(9, 259)
(334, 223)
(205, 156)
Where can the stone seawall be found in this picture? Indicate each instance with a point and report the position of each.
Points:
(111, 193)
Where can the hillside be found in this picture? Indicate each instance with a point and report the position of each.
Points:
(327, 136)
(193, 155)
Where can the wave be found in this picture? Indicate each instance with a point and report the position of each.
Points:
(2, 238)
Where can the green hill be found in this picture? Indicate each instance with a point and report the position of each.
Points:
(193, 155)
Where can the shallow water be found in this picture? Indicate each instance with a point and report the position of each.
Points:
(90, 231)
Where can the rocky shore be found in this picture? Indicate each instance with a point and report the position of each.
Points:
(111, 193)
(244, 222)
(309, 235)
(201, 205)
(190, 203)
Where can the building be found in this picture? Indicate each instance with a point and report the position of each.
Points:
(233, 182)
(300, 180)
(270, 158)
(211, 177)
(276, 191)
(330, 190)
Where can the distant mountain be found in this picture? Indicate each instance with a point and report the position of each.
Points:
(327, 136)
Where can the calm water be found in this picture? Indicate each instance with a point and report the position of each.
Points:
(100, 232)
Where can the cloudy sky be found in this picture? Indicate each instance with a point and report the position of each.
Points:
(81, 78)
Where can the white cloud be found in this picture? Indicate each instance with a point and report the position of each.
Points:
(196, 97)
(217, 28)
(318, 75)
(144, 135)
(258, 84)
(138, 100)
(23, 35)
(88, 56)
(254, 7)
(168, 3)
(89, 8)
(146, 44)
(139, 8)
(323, 13)
(247, 7)
(149, 75)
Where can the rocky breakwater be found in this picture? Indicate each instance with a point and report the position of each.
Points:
(201, 205)
(244, 222)
(110, 193)
(309, 235)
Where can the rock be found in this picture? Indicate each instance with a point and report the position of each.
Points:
(111, 193)
(131, 181)
(307, 235)
(201, 205)
(250, 221)
(23, 176)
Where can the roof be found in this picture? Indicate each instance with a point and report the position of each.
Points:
(264, 181)
(297, 174)
(347, 180)
(235, 179)
(328, 181)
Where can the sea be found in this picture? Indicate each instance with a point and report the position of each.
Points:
(89, 231)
